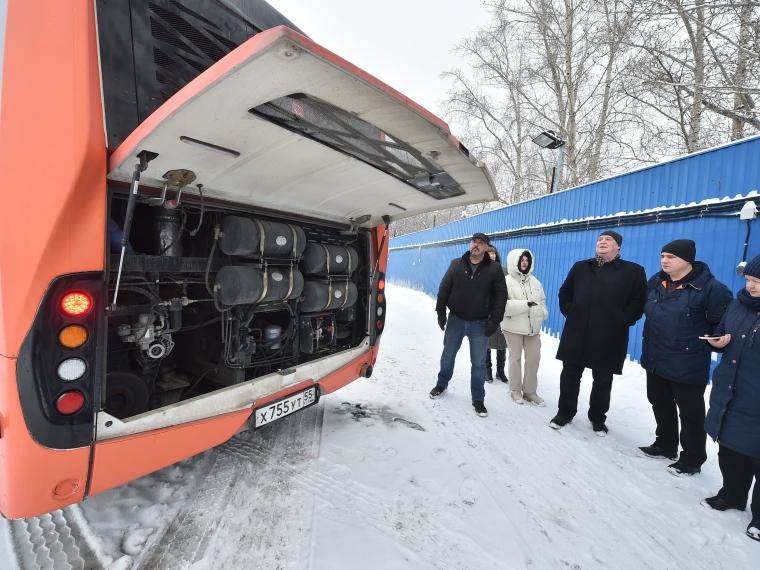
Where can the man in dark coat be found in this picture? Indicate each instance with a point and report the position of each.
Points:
(475, 293)
(684, 303)
(601, 298)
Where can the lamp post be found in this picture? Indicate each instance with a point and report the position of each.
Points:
(550, 140)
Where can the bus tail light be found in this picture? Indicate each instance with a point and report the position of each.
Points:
(70, 403)
(60, 363)
(71, 369)
(73, 336)
(76, 303)
(378, 307)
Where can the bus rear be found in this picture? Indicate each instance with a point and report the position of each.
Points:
(193, 231)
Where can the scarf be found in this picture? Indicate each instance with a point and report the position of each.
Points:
(601, 261)
(752, 302)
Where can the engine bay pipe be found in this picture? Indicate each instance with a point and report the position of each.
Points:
(145, 156)
(127, 226)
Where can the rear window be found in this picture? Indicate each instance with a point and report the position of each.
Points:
(347, 133)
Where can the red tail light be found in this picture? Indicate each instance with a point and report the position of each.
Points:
(378, 308)
(76, 303)
(70, 403)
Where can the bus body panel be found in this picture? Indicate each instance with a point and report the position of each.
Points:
(349, 373)
(52, 156)
(115, 462)
(33, 479)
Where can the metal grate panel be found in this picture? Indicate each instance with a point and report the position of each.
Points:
(346, 133)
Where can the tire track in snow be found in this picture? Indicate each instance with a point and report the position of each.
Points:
(269, 517)
(52, 541)
(186, 539)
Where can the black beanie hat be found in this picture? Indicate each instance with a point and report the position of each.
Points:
(614, 235)
(686, 249)
(753, 267)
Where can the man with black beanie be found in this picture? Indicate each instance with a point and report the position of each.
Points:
(601, 298)
(684, 302)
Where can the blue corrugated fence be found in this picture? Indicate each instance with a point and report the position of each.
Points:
(726, 173)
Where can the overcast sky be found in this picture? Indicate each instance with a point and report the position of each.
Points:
(405, 43)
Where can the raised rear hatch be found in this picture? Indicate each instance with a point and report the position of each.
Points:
(283, 124)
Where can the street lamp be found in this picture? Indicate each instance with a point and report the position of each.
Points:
(549, 139)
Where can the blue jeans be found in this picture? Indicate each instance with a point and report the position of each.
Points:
(475, 331)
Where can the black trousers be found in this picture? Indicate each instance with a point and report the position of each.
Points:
(570, 387)
(738, 470)
(669, 401)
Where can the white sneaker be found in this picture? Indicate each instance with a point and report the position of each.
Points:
(517, 397)
(534, 399)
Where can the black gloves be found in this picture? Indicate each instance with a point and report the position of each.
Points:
(532, 303)
(491, 327)
(442, 320)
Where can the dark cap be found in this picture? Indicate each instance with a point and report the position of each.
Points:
(614, 235)
(484, 237)
(753, 267)
(686, 249)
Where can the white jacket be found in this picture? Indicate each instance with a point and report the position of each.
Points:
(519, 318)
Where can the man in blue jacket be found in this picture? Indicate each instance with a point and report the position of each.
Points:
(475, 292)
(684, 302)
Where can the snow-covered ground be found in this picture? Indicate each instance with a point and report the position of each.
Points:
(379, 476)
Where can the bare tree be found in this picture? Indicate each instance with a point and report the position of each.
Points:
(697, 67)
(624, 82)
(544, 64)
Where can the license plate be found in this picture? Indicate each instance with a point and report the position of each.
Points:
(286, 406)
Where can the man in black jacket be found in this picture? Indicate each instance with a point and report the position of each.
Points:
(601, 298)
(684, 303)
(475, 292)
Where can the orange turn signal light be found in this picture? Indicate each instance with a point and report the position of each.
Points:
(380, 298)
(73, 336)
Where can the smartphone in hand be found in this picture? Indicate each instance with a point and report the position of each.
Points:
(711, 336)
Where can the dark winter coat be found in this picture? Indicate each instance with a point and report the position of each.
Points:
(599, 308)
(497, 341)
(734, 416)
(675, 321)
(473, 296)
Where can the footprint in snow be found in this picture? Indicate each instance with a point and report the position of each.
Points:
(359, 412)
(467, 491)
(407, 423)
(135, 540)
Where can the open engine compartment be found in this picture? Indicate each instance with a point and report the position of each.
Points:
(210, 297)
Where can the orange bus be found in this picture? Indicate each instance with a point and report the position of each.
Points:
(206, 247)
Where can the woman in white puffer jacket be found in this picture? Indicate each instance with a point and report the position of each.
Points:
(526, 311)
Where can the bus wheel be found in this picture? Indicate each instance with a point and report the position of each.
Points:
(126, 395)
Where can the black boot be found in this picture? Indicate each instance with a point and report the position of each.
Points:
(501, 360)
(489, 371)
